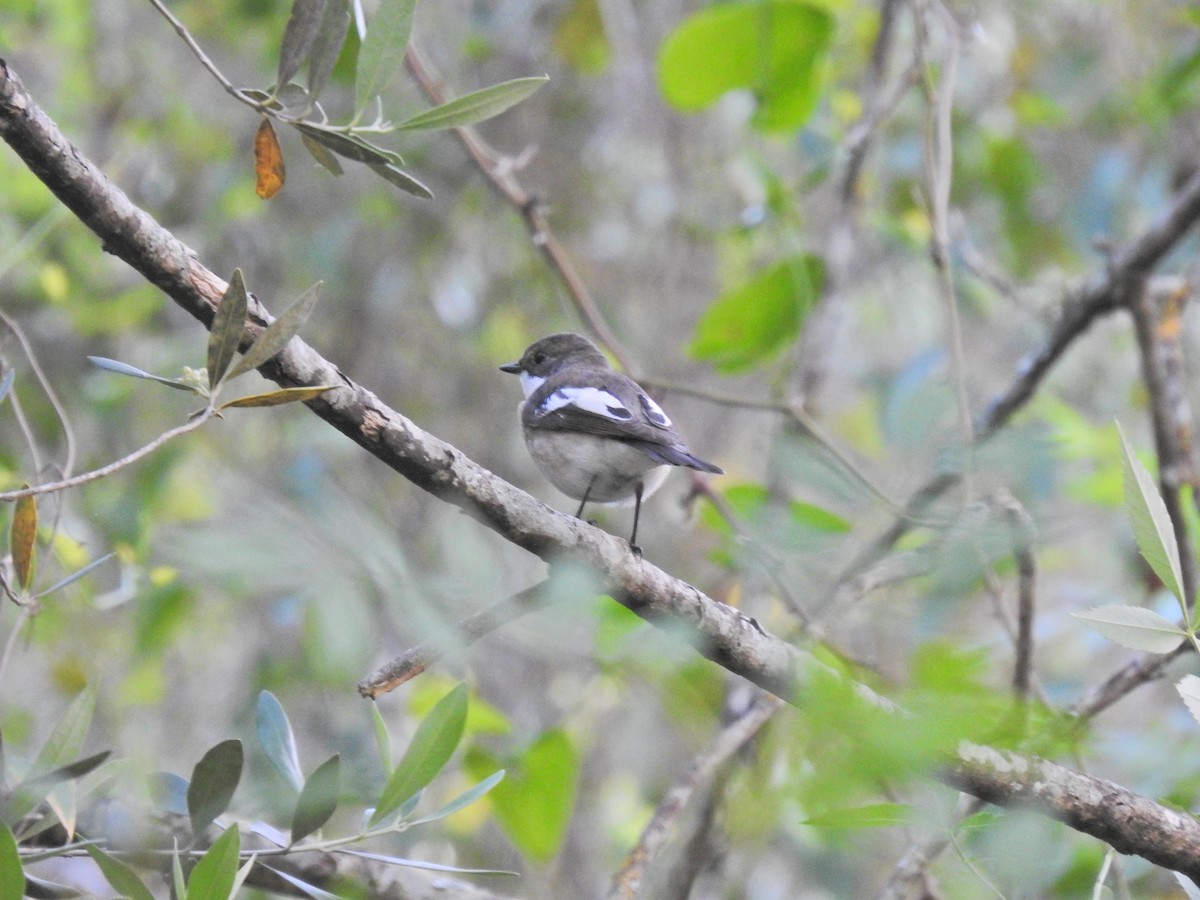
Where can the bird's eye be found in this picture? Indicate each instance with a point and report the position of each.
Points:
(539, 358)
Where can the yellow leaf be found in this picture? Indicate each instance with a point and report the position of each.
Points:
(24, 531)
(268, 161)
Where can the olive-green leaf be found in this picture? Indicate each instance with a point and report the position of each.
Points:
(873, 815)
(328, 45)
(66, 740)
(435, 741)
(277, 740)
(403, 180)
(382, 50)
(177, 872)
(213, 876)
(476, 106)
(310, 889)
(321, 154)
(278, 398)
(74, 576)
(463, 800)
(23, 538)
(228, 323)
(303, 26)
(12, 876)
(213, 782)
(1152, 528)
(318, 799)
(121, 368)
(349, 146)
(276, 335)
(123, 879)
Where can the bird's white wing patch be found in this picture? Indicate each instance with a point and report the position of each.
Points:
(589, 399)
(530, 383)
(654, 412)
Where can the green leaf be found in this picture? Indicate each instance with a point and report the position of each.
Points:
(382, 50)
(177, 872)
(278, 398)
(1189, 690)
(276, 335)
(12, 875)
(383, 740)
(74, 576)
(125, 369)
(213, 782)
(322, 155)
(428, 866)
(463, 800)
(23, 538)
(303, 26)
(318, 799)
(66, 740)
(1134, 627)
(402, 180)
(476, 106)
(754, 321)
(348, 145)
(873, 815)
(1152, 528)
(328, 45)
(46, 781)
(277, 740)
(228, 323)
(213, 876)
(817, 518)
(534, 801)
(311, 889)
(775, 48)
(435, 741)
(122, 878)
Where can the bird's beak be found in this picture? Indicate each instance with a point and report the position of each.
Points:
(512, 368)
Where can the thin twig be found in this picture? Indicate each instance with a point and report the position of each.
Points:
(654, 836)
(197, 50)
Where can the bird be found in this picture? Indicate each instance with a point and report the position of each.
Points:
(592, 431)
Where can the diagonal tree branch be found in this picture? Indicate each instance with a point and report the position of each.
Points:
(1130, 823)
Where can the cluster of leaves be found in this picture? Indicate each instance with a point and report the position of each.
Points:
(314, 40)
(49, 793)
(1137, 627)
(225, 336)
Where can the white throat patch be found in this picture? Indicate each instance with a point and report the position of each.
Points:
(530, 383)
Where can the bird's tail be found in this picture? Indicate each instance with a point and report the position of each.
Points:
(677, 456)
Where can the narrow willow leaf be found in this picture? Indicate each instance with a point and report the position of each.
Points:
(229, 321)
(476, 106)
(123, 879)
(69, 772)
(383, 740)
(436, 738)
(177, 872)
(873, 815)
(213, 876)
(318, 799)
(277, 740)
(6, 382)
(1152, 528)
(12, 875)
(23, 538)
(66, 740)
(463, 800)
(310, 889)
(276, 335)
(299, 36)
(428, 866)
(213, 782)
(74, 576)
(242, 874)
(349, 146)
(278, 398)
(1189, 690)
(328, 45)
(1134, 627)
(125, 369)
(321, 154)
(382, 50)
(403, 180)
(270, 173)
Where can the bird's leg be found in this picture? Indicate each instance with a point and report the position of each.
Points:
(637, 511)
(586, 494)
